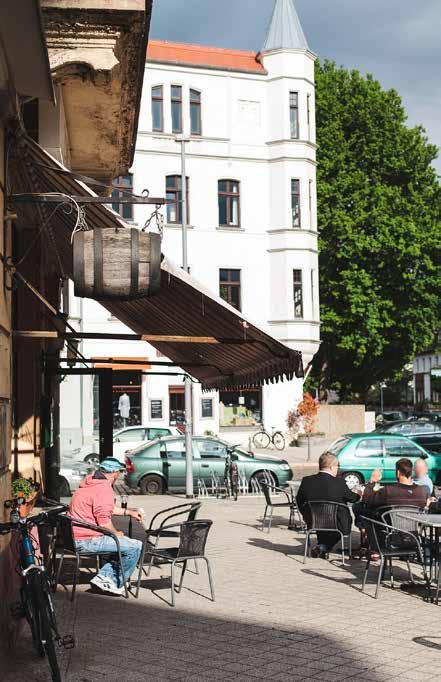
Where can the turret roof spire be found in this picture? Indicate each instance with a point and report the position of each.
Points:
(285, 30)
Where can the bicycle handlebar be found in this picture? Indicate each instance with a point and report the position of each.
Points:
(31, 520)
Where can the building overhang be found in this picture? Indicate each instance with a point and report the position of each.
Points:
(24, 63)
(185, 321)
(97, 56)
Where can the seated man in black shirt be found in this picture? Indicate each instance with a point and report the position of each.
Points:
(325, 486)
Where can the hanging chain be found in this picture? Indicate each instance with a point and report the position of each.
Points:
(159, 221)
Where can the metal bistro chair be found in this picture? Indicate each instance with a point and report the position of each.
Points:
(392, 543)
(192, 540)
(65, 532)
(326, 516)
(393, 516)
(290, 504)
(160, 528)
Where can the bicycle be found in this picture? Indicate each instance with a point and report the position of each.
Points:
(35, 592)
(262, 439)
(231, 474)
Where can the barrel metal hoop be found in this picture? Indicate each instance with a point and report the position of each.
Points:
(98, 261)
(78, 263)
(134, 272)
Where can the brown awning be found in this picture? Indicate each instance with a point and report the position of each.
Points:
(240, 353)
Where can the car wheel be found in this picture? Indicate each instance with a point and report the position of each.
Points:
(151, 485)
(353, 480)
(263, 477)
(93, 458)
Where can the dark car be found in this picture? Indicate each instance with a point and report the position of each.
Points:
(387, 417)
(407, 428)
(431, 442)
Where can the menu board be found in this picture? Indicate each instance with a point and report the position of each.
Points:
(207, 407)
(156, 409)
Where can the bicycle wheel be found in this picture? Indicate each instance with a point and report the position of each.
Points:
(279, 440)
(261, 440)
(40, 594)
(32, 616)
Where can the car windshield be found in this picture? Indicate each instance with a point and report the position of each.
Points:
(337, 445)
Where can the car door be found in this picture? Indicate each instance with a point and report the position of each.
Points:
(127, 440)
(395, 449)
(174, 463)
(369, 456)
(212, 455)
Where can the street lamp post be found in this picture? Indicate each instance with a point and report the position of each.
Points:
(189, 489)
(382, 387)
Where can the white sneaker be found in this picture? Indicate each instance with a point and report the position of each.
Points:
(106, 585)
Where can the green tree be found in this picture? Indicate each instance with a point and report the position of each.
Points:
(379, 222)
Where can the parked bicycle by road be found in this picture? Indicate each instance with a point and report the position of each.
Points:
(262, 439)
(35, 591)
(231, 474)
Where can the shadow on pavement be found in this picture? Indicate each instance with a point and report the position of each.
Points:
(130, 641)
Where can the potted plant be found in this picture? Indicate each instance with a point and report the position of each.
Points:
(307, 410)
(25, 489)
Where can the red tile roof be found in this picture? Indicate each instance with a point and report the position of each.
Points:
(203, 57)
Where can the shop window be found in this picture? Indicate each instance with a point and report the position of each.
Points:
(123, 186)
(240, 408)
(435, 385)
(206, 408)
(126, 398)
(177, 404)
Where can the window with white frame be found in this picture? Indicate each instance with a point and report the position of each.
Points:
(122, 187)
(195, 112)
(294, 115)
(176, 108)
(158, 108)
(298, 293)
(295, 203)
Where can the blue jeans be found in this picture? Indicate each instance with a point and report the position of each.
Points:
(130, 553)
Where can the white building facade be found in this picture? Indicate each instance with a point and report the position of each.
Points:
(252, 214)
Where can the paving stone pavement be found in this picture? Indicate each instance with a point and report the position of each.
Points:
(273, 618)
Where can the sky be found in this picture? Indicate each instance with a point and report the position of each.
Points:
(398, 41)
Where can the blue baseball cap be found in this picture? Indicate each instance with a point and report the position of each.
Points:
(111, 465)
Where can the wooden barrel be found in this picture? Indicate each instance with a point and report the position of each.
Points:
(116, 264)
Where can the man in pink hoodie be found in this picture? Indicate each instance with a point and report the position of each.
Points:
(94, 503)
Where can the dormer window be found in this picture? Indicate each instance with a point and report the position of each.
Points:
(195, 112)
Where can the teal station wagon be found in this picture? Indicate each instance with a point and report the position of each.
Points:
(159, 466)
(359, 454)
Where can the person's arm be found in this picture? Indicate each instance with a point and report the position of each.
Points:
(102, 511)
(375, 498)
(350, 495)
(120, 511)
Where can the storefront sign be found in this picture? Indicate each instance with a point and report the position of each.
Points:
(206, 408)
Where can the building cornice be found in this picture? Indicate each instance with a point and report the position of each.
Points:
(307, 143)
(222, 157)
(208, 67)
(293, 248)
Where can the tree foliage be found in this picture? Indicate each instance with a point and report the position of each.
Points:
(379, 222)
